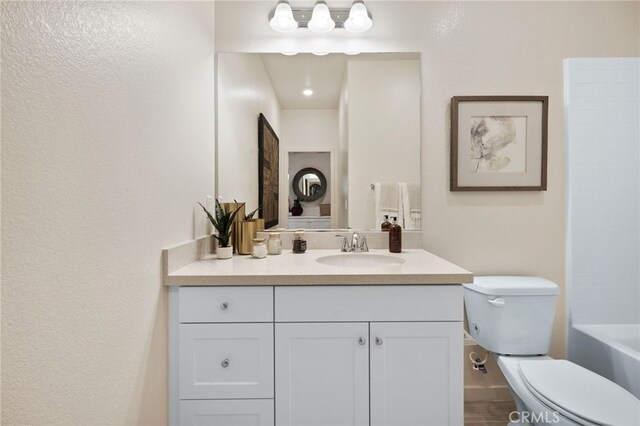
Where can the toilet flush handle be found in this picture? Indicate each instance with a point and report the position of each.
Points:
(498, 301)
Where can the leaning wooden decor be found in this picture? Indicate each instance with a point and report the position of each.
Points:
(268, 172)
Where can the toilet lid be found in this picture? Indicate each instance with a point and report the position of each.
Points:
(580, 393)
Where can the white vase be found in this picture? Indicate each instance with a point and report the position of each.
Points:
(224, 252)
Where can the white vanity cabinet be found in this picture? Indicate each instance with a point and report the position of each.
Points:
(221, 356)
(316, 355)
(309, 222)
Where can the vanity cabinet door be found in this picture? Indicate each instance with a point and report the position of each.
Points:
(416, 373)
(322, 374)
(227, 412)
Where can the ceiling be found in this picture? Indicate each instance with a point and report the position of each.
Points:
(290, 75)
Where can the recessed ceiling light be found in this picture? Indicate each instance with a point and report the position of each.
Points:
(307, 92)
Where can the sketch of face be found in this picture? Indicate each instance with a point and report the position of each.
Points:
(492, 143)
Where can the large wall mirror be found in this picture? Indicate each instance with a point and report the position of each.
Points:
(348, 129)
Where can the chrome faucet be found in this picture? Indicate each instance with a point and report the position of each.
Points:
(354, 243)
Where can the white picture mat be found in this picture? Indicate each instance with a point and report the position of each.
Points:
(533, 111)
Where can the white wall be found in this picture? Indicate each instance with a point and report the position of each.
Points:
(107, 143)
(474, 48)
(602, 98)
(339, 211)
(384, 131)
(306, 130)
(244, 91)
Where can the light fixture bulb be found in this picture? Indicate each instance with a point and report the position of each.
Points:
(321, 21)
(358, 20)
(307, 92)
(282, 20)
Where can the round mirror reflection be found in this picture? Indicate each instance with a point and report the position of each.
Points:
(309, 184)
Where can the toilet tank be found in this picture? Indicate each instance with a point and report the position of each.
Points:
(511, 315)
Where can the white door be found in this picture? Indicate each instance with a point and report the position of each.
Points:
(226, 361)
(322, 374)
(416, 373)
(227, 412)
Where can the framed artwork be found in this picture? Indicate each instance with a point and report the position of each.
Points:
(268, 172)
(499, 143)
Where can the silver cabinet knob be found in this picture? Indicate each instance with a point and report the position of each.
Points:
(378, 340)
(362, 341)
(225, 363)
(224, 306)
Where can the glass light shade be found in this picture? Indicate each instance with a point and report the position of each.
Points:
(282, 20)
(358, 20)
(321, 21)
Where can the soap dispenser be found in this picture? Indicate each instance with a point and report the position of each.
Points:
(386, 224)
(395, 237)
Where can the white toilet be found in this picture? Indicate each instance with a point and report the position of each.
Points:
(512, 317)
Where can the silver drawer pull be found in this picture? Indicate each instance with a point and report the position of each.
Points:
(225, 363)
(378, 340)
(224, 306)
(362, 341)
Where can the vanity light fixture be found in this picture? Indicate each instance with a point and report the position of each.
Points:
(282, 20)
(359, 20)
(321, 19)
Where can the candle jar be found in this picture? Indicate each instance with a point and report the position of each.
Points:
(274, 243)
(259, 250)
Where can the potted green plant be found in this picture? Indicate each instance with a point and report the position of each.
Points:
(223, 222)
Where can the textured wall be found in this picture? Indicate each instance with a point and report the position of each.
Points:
(107, 142)
(474, 48)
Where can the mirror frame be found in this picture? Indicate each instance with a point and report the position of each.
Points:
(296, 184)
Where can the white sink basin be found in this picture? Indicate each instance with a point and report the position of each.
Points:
(360, 260)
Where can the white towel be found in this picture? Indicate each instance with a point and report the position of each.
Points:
(410, 206)
(387, 201)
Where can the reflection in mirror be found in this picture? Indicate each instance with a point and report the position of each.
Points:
(309, 184)
(360, 128)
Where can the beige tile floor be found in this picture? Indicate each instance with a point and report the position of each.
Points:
(493, 413)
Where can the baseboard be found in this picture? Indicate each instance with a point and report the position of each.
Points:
(483, 393)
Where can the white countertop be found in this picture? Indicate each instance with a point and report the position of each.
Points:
(420, 267)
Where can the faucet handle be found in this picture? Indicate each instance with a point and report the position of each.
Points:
(346, 247)
(363, 244)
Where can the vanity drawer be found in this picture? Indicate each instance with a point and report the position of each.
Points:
(226, 304)
(369, 303)
(226, 361)
(225, 412)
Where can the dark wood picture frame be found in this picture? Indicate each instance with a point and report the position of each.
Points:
(268, 172)
(460, 142)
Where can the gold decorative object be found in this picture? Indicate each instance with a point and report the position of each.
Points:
(239, 216)
(248, 231)
(259, 224)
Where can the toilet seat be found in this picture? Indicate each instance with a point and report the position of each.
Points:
(579, 394)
